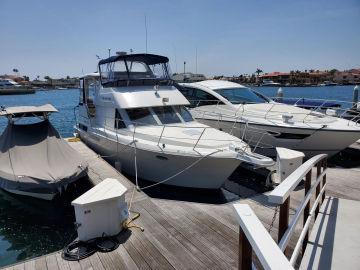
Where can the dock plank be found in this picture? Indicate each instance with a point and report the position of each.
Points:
(74, 265)
(95, 262)
(19, 267)
(145, 247)
(29, 265)
(190, 237)
(173, 250)
(40, 263)
(51, 262)
(136, 256)
(86, 264)
(63, 264)
(128, 261)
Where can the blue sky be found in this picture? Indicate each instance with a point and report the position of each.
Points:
(60, 38)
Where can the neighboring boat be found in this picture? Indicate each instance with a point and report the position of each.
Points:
(34, 160)
(270, 83)
(10, 87)
(328, 83)
(254, 117)
(8, 83)
(133, 115)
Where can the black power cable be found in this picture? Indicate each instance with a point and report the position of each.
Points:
(78, 250)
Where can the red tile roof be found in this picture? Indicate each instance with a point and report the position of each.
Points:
(275, 74)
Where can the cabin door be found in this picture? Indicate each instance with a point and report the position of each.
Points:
(88, 95)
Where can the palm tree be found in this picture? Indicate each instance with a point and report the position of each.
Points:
(258, 71)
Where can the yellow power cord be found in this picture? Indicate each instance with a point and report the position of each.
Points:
(74, 139)
(128, 223)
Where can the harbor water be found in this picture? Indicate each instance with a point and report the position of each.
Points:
(30, 227)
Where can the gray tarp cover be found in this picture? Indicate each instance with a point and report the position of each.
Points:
(35, 158)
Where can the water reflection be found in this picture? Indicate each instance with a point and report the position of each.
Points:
(32, 227)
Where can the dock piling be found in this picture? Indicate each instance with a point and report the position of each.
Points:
(280, 93)
(355, 96)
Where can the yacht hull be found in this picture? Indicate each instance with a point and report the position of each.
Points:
(309, 141)
(208, 173)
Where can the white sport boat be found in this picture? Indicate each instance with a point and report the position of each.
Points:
(131, 113)
(266, 124)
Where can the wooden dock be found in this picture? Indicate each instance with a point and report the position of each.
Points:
(181, 234)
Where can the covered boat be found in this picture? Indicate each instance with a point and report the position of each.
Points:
(34, 159)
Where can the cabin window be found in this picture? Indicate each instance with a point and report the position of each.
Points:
(240, 95)
(203, 98)
(137, 67)
(185, 114)
(187, 92)
(166, 115)
(119, 123)
(141, 117)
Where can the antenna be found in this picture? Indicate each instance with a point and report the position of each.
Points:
(146, 38)
(196, 60)
(176, 67)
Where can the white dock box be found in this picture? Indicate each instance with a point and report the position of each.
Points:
(287, 161)
(101, 210)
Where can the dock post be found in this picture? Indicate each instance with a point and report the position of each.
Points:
(324, 164)
(307, 208)
(280, 94)
(318, 187)
(355, 97)
(245, 252)
(283, 218)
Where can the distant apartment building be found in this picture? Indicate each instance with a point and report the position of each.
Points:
(51, 83)
(188, 77)
(313, 77)
(351, 76)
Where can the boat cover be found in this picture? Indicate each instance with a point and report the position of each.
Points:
(34, 158)
(28, 110)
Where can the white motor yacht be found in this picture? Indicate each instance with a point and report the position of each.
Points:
(10, 87)
(131, 113)
(266, 124)
(8, 83)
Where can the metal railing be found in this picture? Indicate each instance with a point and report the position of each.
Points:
(345, 111)
(254, 136)
(110, 123)
(253, 235)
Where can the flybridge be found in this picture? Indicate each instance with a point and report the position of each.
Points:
(149, 59)
(134, 69)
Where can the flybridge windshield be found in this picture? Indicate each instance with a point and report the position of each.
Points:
(242, 95)
(125, 72)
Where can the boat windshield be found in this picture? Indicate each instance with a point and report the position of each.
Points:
(166, 115)
(241, 95)
(141, 116)
(127, 73)
(184, 113)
